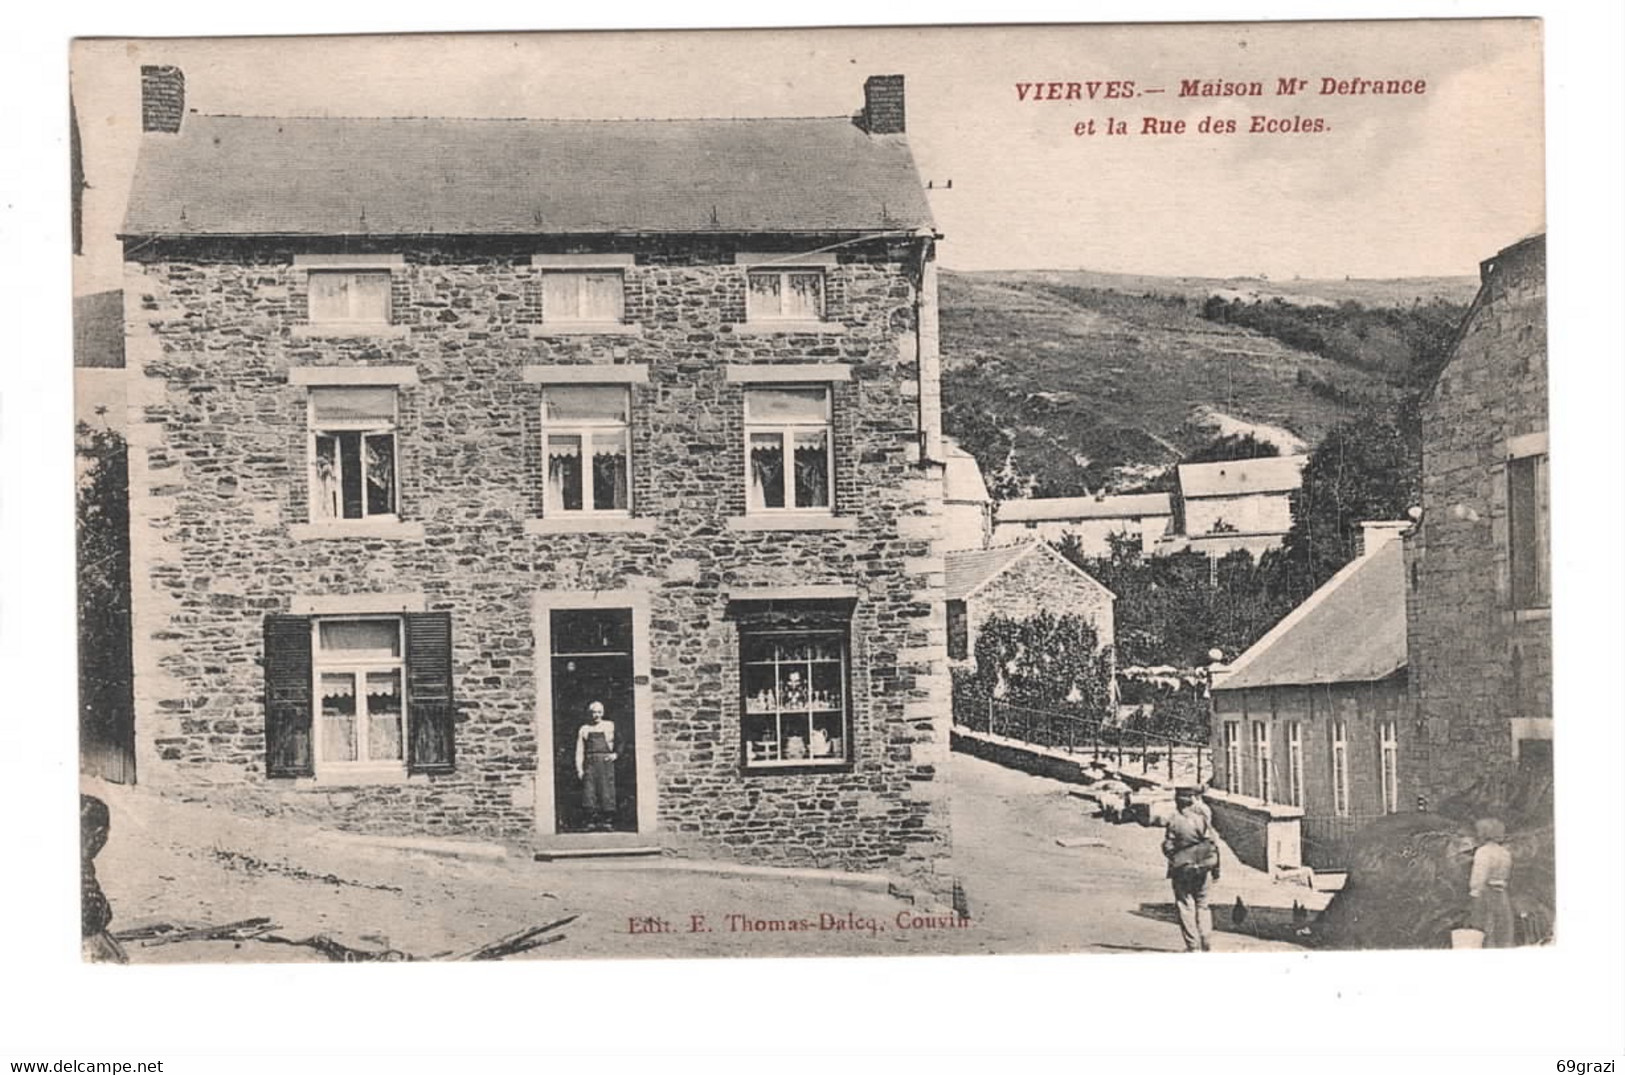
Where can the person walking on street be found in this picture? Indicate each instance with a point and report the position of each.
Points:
(1487, 884)
(1193, 864)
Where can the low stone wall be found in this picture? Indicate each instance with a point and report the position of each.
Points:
(1265, 836)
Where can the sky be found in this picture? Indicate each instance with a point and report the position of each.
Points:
(1411, 185)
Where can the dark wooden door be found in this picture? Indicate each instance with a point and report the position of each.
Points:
(592, 662)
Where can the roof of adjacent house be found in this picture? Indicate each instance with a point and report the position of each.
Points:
(968, 570)
(962, 476)
(251, 175)
(1351, 630)
(1061, 508)
(1239, 477)
(98, 330)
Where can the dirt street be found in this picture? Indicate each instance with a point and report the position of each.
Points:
(188, 864)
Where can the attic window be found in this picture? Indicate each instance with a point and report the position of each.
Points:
(349, 296)
(785, 295)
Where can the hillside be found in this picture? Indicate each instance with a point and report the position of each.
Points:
(1066, 382)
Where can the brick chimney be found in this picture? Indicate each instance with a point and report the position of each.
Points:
(883, 104)
(163, 98)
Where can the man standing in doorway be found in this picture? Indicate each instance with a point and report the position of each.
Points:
(595, 767)
(1193, 864)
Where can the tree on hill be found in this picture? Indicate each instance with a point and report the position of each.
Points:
(1368, 468)
(1229, 446)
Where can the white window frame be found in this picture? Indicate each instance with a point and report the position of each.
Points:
(1339, 738)
(1261, 758)
(1232, 756)
(358, 666)
(842, 757)
(363, 427)
(783, 273)
(1388, 769)
(787, 432)
(579, 316)
(353, 272)
(584, 430)
(1294, 762)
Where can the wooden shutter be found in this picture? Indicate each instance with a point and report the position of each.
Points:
(431, 716)
(289, 705)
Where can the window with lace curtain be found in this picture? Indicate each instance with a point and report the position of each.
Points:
(586, 440)
(788, 448)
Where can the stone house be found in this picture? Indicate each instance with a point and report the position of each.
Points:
(443, 429)
(967, 507)
(1018, 581)
(1479, 562)
(1311, 725)
(1092, 520)
(1235, 504)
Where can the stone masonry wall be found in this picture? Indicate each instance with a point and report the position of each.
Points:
(1040, 582)
(1477, 664)
(219, 463)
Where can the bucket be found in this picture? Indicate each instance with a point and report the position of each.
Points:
(1466, 938)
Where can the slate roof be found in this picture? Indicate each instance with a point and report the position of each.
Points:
(1351, 630)
(968, 570)
(1130, 506)
(1239, 477)
(245, 175)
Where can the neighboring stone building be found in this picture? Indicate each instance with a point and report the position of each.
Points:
(1478, 563)
(1314, 716)
(444, 428)
(1092, 520)
(967, 507)
(1018, 581)
(1237, 504)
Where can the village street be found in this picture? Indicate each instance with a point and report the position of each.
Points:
(187, 864)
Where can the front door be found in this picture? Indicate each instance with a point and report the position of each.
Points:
(592, 662)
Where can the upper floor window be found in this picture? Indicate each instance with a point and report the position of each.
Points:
(587, 446)
(785, 295)
(349, 296)
(1528, 524)
(588, 297)
(353, 453)
(788, 447)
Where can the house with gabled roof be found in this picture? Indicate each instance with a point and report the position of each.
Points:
(1092, 521)
(446, 432)
(1243, 504)
(1018, 581)
(1313, 716)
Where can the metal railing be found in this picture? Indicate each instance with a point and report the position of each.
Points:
(1184, 760)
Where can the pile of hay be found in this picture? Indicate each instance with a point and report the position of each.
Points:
(1407, 882)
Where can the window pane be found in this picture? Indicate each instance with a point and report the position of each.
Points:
(812, 469)
(561, 296)
(384, 715)
(353, 405)
(563, 473)
(1523, 531)
(350, 491)
(379, 449)
(329, 296)
(585, 403)
(787, 404)
(369, 297)
(766, 470)
(609, 471)
(325, 492)
(804, 300)
(353, 638)
(763, 299)
(338, 717)
(601, 297)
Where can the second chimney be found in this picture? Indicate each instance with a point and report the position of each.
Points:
(163, 98)
(883, 104)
